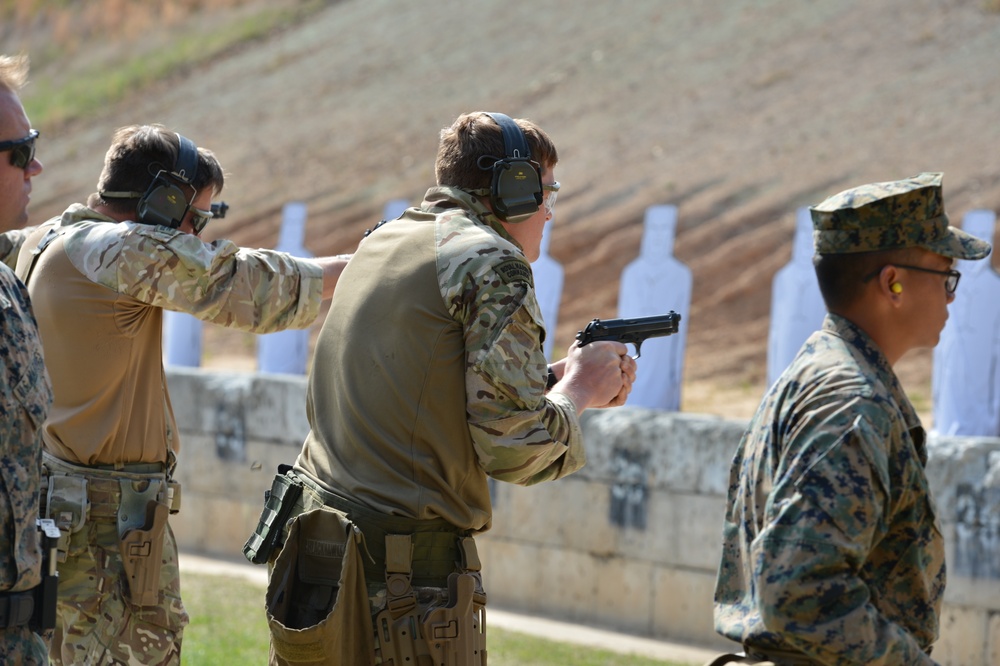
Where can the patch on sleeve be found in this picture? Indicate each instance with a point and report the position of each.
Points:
(514, 270)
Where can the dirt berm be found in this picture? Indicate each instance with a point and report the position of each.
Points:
(737, 112)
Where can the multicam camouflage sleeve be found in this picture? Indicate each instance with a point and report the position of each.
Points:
(254, 290)
(521, 435)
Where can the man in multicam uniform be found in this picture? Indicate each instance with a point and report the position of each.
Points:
(429, 377)
(25, 391)
(832, 553)
(99, 282)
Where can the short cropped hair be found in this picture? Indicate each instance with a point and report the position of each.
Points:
(476, 135)
(13, 72)
(136, 155)
(841, 276)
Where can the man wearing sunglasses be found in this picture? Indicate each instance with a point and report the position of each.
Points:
(25, 391)
(831, 549)
(20, 155)
(100, 276)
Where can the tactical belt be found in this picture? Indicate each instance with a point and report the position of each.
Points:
(104, 493)
(436, 543)
(779, 657)
(16, 609)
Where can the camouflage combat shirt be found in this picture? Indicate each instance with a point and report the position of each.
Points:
(429, 374)
(98, 289)
(25, 395)
(831, 546)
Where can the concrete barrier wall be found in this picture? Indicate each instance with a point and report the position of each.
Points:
(631, 542)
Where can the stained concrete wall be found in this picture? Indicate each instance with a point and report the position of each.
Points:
(631, 542)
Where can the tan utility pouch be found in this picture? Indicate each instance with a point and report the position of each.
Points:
(142, 519)
(173, 496)
(317, 600)
(66, 504)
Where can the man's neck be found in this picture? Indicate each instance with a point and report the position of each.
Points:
(108, 212)
(878, 326)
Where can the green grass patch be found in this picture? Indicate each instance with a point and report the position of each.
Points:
(227, 621)
(52, 100)
(508, 648)
(228, 627)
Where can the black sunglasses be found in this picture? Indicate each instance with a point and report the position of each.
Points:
(22, 151)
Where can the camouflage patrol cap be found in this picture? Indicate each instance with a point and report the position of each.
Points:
(889, 216)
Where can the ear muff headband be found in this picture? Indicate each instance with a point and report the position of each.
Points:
(516, 189)
(164, 202)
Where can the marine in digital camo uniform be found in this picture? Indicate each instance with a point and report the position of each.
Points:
(428, 378)
(25, 391)
(832, 553)
(99, 277)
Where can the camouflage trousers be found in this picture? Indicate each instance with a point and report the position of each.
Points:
(23, 646)
(96, 624)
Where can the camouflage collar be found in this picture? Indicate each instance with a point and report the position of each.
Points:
(79, 213)
(446, 197)
(874, 364)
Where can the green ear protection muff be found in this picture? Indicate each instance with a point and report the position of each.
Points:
(164, 202)
(516, 189)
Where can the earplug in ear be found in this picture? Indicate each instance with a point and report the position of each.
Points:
(896, 288)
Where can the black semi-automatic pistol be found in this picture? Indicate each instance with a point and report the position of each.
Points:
(633, 330)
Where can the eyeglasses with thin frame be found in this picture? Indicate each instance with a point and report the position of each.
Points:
(951, 275)
(550, 198)
(22, 151)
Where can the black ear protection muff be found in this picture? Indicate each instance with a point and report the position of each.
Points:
(516, 190)
(164, 202)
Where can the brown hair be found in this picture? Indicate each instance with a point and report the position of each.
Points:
(476, 135)
(136, 155)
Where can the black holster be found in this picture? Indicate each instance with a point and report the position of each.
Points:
(279, 502)
(46, 593)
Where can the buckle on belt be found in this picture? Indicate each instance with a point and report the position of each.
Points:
(399, 596)
(782, 657)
